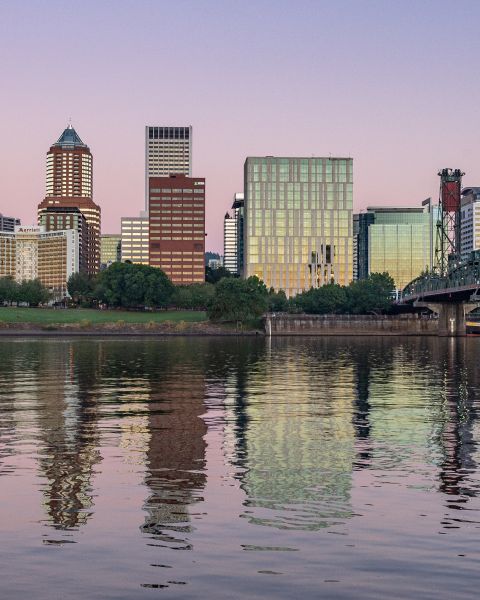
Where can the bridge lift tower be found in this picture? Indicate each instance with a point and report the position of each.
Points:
(447, 248)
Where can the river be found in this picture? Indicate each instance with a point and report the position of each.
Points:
(239, 468)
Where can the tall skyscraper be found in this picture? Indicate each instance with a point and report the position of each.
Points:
(69, 184)
(231, 241)
(298, 221)
(168, 151)
(396, 240)
(177, 227)
(470, 221)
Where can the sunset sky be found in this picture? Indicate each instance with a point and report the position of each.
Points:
(395, 85)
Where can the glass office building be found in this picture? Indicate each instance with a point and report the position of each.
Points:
(396, 240)
(298, 222)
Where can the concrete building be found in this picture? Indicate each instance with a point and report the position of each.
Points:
(8, 223)
(134, 239)
(298, 221)
(396, 240)
(55, 218)
(7, 254)
(34, 253)
(470, 221)
(110, 249)
(177, 227)
(69, 184)
(168, 151)
(231, 237)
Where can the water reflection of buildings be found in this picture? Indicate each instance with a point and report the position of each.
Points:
(298, 438)
(67, 420)
(176, 448)
(52, 390)
(308, 413)
(459, 427)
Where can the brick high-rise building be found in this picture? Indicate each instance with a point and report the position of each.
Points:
(69, 185)
(177, 227)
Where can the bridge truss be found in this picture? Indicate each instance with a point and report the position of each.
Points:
(447, 247)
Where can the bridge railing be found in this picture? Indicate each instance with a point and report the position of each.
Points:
(464, 274)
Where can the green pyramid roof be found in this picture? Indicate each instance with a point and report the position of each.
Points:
(69, 138)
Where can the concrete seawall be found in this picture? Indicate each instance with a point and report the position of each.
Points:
(361, 325)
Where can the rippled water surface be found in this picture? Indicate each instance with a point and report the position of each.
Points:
(225, 468)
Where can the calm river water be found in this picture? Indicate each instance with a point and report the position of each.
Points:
(239, 468)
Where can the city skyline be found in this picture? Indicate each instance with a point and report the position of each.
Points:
(376, 85)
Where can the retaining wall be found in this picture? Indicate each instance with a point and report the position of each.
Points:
(407, 324)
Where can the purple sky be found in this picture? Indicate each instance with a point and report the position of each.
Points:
(395, 85)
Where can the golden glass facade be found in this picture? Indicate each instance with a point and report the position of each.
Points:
(399, 241)
(402, 251)
(298, 221)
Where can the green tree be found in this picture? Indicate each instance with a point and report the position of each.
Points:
(330, 298)
(33, 292)
(214, 275)
(238, 300)
(130, 286)
(371, 295)
(80, 287)
(8, 290)
(196, 296)
(277, 301)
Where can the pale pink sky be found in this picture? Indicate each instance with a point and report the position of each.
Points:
(395, 85)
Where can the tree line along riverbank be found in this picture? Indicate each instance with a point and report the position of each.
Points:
(127, 296)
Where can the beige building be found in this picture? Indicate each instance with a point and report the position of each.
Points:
(135, 239)
(33, 253)
(298, 222)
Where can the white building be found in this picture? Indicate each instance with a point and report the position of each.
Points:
(231, 245)
(135, 238)
(470, 221)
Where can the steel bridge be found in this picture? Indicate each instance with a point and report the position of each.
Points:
(452, 288)
(451, 296)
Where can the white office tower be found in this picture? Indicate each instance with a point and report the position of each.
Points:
(231, 246)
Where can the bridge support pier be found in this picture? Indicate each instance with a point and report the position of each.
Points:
(451, 316)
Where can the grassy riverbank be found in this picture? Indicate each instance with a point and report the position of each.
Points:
(50, 316)
(84, 321)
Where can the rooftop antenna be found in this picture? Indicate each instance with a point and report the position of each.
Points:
(69, 122)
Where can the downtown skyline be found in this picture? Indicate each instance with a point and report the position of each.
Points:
(378, 85)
